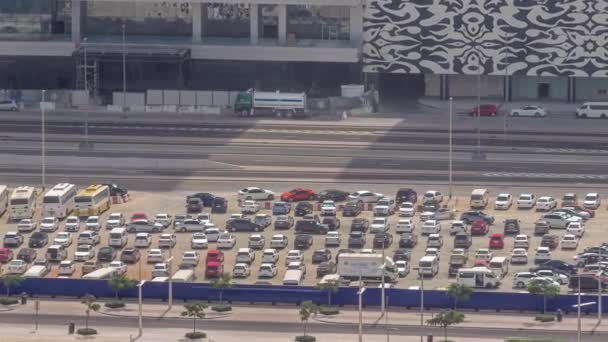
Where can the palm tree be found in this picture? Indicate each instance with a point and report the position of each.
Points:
(459, 292)
(11, 280)
(445, 319)
(307, 309)
(544, 288)
(224, 281)
(195, 310)
(89, 301)
(330, 286)
(120, 282)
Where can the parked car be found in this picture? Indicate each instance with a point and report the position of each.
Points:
(458, 227)
(250, 207)
(12, 239)
(270, 255)
(66, 268)
(519, 256)
(279, 241)
(84, 253)
(144, 226)
(167, 241)
(526, 201)
(592, 200)
(569, 241)
(433, 197)
(226, 241)
(189, 259)
(6, 255)
(143, 240)
(194, 205)
(256, 241)
(352, 208)
(576, 228)
(115, 220)
(379, 225)
(559, 220)
(542, 254)
(107, 254)
(155, 255)
(93, 223)
(264, 220)
(325, 268)
(546, 203)
(497, 241)
(206, 198)
(521, 241)
(434, 241)
(332, 238)
(294, 255)
(503, 201)
(90, 266)
(163, 218)
(402, 254)
(551, 241)
(479, 227)
(356, 239)
(403, 268)
(302, 241)
(462, 240)
(307, 226)
(267, 270)
(541, 227)
(484, 110)
(359, 225)
(406, 225)
(72, 224)
(27, 254)
(470, 216)
(512, 226)
(219, 205)
(256, 194)
(281, 208)
(283, 222)
(130, 255)
(49, 224)
(484, 254)
(407, 209)
(533, 111)
(569, 199)
(365, 196)
(332, 194)
(321, 255)
(304, 208)
(38, 240)
(408, 240)
(63, 238)
(430, 227)
(298, 194)
(406, 195)
(26, 226)
(243, 225)
(382, 240)
(192, 225)
(385, 207)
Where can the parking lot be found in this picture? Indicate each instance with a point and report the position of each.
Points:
(174, 203)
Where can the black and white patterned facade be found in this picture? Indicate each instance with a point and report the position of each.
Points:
(491, 37)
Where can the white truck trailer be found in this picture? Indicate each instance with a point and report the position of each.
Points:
(260, 103)
(351, 266)
(102, 273)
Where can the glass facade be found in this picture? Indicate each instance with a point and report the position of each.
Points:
(226, 21)
(26, 20)
(318, 22)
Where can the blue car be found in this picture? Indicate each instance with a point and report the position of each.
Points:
(281, 208)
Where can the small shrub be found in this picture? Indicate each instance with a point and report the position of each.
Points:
(86, 331)
(115, 304)
(306, 338)
(221, 308)
(194, 335)
(8, 301)
(329, 310)
(544, 318)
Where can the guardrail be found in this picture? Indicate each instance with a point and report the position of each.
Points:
(433, 299)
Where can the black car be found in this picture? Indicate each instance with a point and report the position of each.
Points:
(550, 240)
(402, 254)
(194, 206)
(343, 251)
(359, 225)
(321, 255)
(462, 240)
(106, 254)
(511, 227)
(383, 240)
(219, 205)
(302, 241)
(38, 240)
(356, 239)
(206, 197)
(310, 227)
(556, 265)
(332, 194)
(243, 225)
(332, 223)
(325, 268)
(469, 216)
(27, 254)
(408, 240)
(130, 255)
(352, 208)
(304, 208)
(117, 190)
(406, 195)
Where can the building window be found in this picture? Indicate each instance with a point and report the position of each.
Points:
(319, 22)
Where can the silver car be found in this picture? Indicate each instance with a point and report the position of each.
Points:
(9, 105)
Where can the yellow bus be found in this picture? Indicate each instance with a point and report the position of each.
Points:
(92, 201)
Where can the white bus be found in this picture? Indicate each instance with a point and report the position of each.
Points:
(92, 201)
(59, 201)
(22, 203)
(3, 199)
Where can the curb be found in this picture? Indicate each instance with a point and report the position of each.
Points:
(216, 316)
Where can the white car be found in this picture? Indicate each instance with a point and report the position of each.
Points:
(519, 256)
(328, 208)
(143, 240)
(294, 255)
(503, 201)
(402, 268)
(332, 238)
(592, 200)
(226, 241)
(434, 240)
(533, 111)
(88, 237)
(542, 254)
(119, 266)
(13, 239)
(93, 223)
(66, 268)
(164, 219)
(167, 241)
(143, 225)
(526, 201)
(192, 225)
(115, 220)
(405, 226)
(569, 241)
(430, 227)
(521, 279)
(213, 234)
(84, 253)
(270, 255)
(63, 238)
(521, 241)
(458, 227)
(264, 220)
(385, 207)
(255, 194)
(190, 258)
(365, 196)
(484, 254)
(160, 269)
(198, 241)
(432, 251)
(245, 255)
(576, 228)
(432, 196)
(26, 226)
(557, 220)
(256, 241)
(546, 203)
(16, 266)
(379, 225)
(72, 224)
(279, 241)
(560, 278)
(250, 207)
(49, 224)
(407, 209)
(267, 270)
(241, 270)
(9, 105)
(155, 255)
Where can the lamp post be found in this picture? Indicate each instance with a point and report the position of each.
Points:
(124, 70)
(170, 262)
(382, 291)
(42, 107)
(450, 150)
(140, 314)
(86, 65)
(360, 294)
(479, 111)
(421, 276)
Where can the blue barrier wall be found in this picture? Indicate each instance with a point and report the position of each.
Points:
(482, 300)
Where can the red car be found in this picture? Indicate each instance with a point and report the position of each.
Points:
(214, 269)
(484, 110)
(139, 216)
(479, 227)
(6, 255)
(480, 263)
(215, 255)
(497, 241)
(298, 194)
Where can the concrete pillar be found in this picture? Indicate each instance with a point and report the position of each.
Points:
(196, 9)
(282, 9)
(254, 25)
(356, 25)
(77, 12)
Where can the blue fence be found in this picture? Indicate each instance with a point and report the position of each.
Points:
(295, 295)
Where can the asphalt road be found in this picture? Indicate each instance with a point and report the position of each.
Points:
(103, 322)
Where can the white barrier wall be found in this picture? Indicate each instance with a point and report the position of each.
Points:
(187, 98)
(132, 99)
(154, 97)
(171, 97)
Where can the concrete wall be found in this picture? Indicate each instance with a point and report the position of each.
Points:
(132, 99)
(470, 86)
(591, 89)
(526, 87)
(432, 85)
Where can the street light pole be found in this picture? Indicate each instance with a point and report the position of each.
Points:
(86, 65)
(479, 111)
(42, 107)
(578, 311)
(170, 261)
(450, 150)
(140, 314)
(124, 70)
(382, 291)
(360, 293)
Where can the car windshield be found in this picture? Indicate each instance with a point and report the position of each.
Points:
(502, 198)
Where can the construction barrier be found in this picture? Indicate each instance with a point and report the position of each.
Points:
(120, 199)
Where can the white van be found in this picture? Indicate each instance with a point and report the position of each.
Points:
(118, 237)
(36, 271)
(56, 253)
(593, 110)
(293, 277)
(500, 265)
(479, 198)
(480, 277)
(428, 265)
(183, 276)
